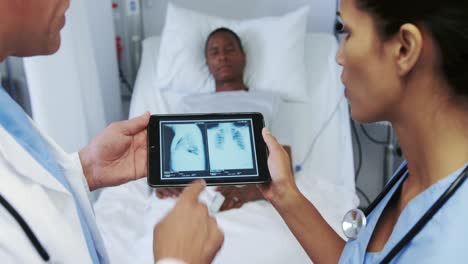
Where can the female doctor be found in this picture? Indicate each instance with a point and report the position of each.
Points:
(405, 61)
(45, 213)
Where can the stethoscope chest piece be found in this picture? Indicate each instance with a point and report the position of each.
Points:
(353, 221)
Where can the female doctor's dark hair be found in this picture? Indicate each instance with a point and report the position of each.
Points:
(446, 20)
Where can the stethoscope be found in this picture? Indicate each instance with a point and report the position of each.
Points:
(26, 229)
(355, 219)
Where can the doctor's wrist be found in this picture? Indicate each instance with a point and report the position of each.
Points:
(87, 166)
(286, 198)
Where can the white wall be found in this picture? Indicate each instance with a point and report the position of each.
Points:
(321, 19)
(99, 14)
(75, 92)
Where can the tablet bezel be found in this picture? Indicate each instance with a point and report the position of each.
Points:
(154, 164)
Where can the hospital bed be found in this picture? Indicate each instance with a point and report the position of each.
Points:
(318, 132)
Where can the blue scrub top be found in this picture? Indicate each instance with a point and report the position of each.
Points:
(442, 240)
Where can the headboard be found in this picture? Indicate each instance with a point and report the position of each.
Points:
(321, 19)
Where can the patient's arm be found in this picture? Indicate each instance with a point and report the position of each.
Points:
(235, 196)
(168, 192)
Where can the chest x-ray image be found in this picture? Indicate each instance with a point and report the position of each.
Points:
(204, 148)
(187, 148)
(229, 145)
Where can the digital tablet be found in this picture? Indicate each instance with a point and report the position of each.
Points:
(225, 148)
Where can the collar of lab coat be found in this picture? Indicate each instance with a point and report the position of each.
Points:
(25, 165)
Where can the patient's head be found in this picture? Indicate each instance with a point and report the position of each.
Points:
(225, 58)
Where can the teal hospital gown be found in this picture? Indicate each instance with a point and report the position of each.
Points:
(442, 240)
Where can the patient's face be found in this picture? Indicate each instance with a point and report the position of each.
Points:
(368, 70)
(224, 57)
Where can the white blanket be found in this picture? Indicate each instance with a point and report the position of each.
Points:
(254, 233)
(235, 101)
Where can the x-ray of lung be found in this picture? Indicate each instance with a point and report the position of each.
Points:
(229, 146)
(187, 149)
(207, 148)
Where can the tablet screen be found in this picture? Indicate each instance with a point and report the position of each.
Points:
(221, 148)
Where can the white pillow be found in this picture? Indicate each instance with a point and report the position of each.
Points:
(274, 48)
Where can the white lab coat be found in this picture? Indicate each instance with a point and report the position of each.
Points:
(46, 206)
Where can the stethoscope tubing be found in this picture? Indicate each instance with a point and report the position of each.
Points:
(27, 230)
(427, 216)
(386, 190)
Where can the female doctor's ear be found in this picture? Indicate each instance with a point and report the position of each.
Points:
(407, 48)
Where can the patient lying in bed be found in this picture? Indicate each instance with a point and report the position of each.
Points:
(226, 62)
(254, 233)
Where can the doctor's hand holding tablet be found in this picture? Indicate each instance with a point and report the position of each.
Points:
(118, 155)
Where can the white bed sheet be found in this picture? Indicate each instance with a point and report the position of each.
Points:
(254, 233)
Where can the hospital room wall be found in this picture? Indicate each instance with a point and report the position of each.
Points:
(102, 34)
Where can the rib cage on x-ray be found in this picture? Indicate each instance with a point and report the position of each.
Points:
(236, 136)
(229, 147)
